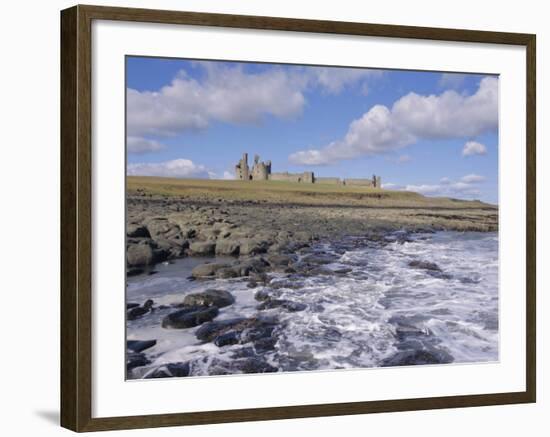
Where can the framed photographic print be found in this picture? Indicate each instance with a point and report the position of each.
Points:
(268, 218)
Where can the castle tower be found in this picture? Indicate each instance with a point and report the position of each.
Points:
(241, 169)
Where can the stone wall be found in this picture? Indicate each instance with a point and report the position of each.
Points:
(359, 182)
(331, 181)
(306, 177)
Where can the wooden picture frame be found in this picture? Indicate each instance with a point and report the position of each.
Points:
(76, 217)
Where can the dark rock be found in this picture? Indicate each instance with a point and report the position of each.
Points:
(139, 345)
(134, 230)
(265, 344)
(250, 246)
(209, 269)
(320, 258)
(210, 297)
(253, 365)
(135, 359)
(140, 255)
(418, 357)
(424, 265)
(288, 305)
(189, 317)
(262, 295)
(174, 248)
(293, 284)
(134, 271)
(202, 248)
(209, 331)
(280, 260)
(161, 229)
(232, 337)
(227, 247)
(170, 370)
(228, 272)
(254, 266)
(139, 311)
(238, 331)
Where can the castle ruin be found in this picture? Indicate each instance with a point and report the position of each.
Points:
(261, 171)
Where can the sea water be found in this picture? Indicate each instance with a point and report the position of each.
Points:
(351, 320)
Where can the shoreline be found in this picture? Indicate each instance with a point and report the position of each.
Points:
(161, 227)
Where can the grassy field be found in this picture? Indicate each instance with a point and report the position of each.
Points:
(291, 193)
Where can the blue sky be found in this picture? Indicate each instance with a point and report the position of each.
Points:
(435, 133)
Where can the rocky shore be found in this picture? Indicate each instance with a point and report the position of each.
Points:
(270, 247)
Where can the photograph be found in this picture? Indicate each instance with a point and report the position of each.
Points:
(287, 218)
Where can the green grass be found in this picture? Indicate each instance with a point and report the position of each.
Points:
(290, 192)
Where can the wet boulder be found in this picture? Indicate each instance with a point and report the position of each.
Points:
(202, 248)
(139, 345)
(238, 331)
(288, 305)
(208, 269)
(135, 230)
(227, 247)
(135, 359)
(160, 228)
(418, 357)
(174, 248)
(250, 246)
(189, 317)
(134, 271)
(170, 370)
(209, 331)
(320, 258)
(139, 311)
(262, 295)
(277, 261)
(424, 265)
(253, 365)
(140, 255)
(210, 297)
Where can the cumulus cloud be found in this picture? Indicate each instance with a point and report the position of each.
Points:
(143, 145)
(231, 94)
(472, 178)
(333, 80)
(410, 119)
(177, 168)
(467, 186)
(226, 94)
(474, 148)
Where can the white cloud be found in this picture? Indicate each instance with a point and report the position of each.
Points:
(143, 145)
(452, 80)
(472, 178)
(231, 94)
(226, 94)
(424, 189)
(333, 80)
(228, 175)
(467, 187)
(474, 148)
(177, 168)
(411, 118)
